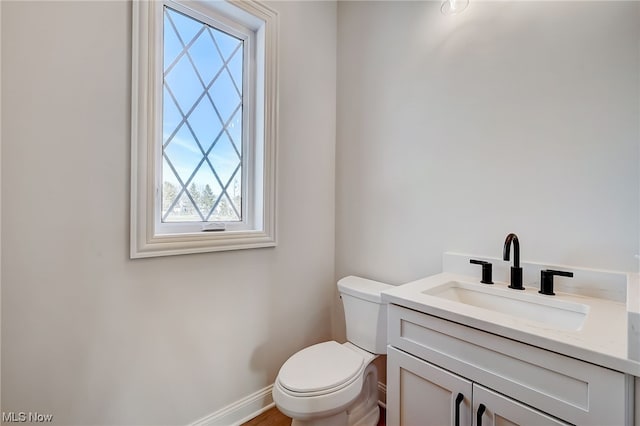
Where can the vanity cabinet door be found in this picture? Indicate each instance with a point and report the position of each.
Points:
(502, 411)
(421, 394)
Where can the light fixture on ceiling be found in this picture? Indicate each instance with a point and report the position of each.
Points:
(453, 7)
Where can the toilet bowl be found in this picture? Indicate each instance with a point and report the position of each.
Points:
(333, 384)
(327, 379)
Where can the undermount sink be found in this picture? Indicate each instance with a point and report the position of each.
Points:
(555, 313)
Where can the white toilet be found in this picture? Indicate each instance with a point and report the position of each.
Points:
(333, 384)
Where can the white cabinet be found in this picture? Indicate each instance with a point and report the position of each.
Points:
(420, 393)
(431, 361)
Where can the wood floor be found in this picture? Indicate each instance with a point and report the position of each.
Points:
(273, 417)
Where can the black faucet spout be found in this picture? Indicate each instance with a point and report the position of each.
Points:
(516, 270)
(506, 252)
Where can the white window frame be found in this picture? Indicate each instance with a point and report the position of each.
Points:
(257, 25)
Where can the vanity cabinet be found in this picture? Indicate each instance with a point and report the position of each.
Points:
(427, 395)
(431, 361)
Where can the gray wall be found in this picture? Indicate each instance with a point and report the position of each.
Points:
(93, 337)
(511, 117)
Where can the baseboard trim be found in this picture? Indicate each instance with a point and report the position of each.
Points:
(255, 404)
(240, 411)
(382, 395)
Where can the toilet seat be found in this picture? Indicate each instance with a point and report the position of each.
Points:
(320, 369)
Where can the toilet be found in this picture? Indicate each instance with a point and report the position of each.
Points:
(333, 384)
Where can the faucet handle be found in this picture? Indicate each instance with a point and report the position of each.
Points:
(486, 270)
(546, 280)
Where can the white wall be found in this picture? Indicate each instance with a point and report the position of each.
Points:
(93, 337)
(452, 132)
(511, 117)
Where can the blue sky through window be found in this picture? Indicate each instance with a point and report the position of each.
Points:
(202, 121)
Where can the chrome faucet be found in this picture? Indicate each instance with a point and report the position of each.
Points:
(516, 270)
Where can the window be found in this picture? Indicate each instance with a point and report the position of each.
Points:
(203, 127)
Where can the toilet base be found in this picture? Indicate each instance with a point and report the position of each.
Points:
(339, 419)
(342, 419)
(370, 419)
(364, 411)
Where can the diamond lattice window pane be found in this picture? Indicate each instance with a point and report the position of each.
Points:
(202, 122)
(208, 199)
(224, 159)
(183, 211)
(206, 57)
(234, 193)
(183, 83)
(205, 123)
(234, 130)
(226, 44)
(172, 45)
(225, 96)
(171, 117)
(183, 153)
(170, 188)
(235, 69)
(185, 26)
(225, 211)
(205, 203)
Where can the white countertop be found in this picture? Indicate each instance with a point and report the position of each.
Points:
(602, 340)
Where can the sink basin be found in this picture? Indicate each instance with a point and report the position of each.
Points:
(545, 310)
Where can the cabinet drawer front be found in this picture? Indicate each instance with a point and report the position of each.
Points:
(564, 387)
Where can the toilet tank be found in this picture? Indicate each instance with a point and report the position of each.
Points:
(365, 313)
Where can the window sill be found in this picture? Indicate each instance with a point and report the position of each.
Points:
(202, 242)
